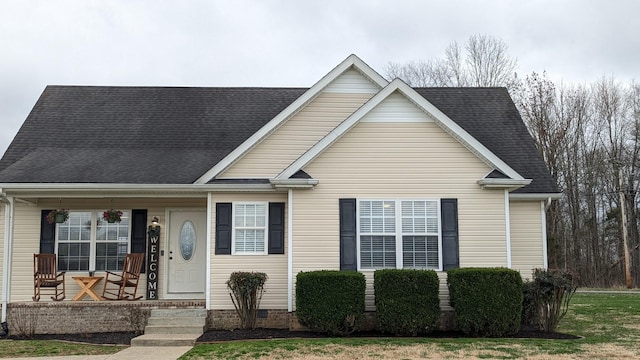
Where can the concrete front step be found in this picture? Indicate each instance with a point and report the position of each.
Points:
(174, 329)
(177, 321)
(165, 340)
(179, 313)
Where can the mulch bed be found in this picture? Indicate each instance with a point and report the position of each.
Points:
(213, 336)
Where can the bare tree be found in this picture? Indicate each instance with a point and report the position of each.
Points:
(483, 62)
(488, 62)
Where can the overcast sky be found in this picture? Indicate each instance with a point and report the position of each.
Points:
(290, 43)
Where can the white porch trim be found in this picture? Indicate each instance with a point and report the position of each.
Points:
(290, 250)
(507, 223)
(8, 254)
(207, 286)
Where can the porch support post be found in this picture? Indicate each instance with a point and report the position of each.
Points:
(507, 222)
(7, 255)
(207, 287)
(290, 250)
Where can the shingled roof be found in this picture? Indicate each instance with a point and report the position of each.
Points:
(135, 135)
(491, 117)
(159, 135)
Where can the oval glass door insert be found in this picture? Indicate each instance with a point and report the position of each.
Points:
(187, 240)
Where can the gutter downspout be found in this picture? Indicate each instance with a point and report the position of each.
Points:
(290, 250)
(7, 256)
(543, 210)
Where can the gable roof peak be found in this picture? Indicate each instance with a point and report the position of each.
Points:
(352, 61)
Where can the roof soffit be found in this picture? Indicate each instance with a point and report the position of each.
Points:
(352, 61)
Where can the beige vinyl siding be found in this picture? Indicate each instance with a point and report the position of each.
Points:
(27, 238)
(397, 160)
(296, 136)
(275, 266)
(526, 236)
(26, 242)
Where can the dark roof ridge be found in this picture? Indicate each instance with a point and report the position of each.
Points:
(142, 87)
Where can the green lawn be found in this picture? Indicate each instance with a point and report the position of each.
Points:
(33, 348)
(608, 323)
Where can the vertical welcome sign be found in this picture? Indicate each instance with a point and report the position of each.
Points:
(152, 262)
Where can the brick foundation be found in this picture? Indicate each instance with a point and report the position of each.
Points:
(84, 316)
(105, 316)
(229, 320)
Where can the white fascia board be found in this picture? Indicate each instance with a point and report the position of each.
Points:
(534, 196)
(294, 183)
(125, 190)
(490, 183)
(351, 61)
(440, 118)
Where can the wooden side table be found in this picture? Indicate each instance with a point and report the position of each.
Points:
(87, 283)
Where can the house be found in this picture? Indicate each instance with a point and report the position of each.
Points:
(354, 173)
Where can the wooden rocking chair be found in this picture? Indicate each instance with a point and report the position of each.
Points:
(124, 286)
(46, 276)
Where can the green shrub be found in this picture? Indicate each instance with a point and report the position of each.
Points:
(487, 301)
(529, 309)
(407, 301)
(330, 301)
(550, 294)
(245, 290)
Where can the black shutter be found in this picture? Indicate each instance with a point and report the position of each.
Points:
(449, 212)
(139, 232)
(348, 246)
(276, 228)
(223, 229)
(47, 234)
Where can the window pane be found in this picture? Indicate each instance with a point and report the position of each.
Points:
(250, 228)
(420, 217)
(73, 256)
(377, 217)
(112, 240)
(432, 225)
(420, 252)
(377, 252)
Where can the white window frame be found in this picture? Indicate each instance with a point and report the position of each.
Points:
(266, 228)
(399, 233)
(93, 241)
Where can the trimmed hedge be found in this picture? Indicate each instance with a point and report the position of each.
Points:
(407, 301)
(487, 301)
(330, 301)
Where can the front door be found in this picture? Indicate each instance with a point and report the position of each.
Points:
(187, 250)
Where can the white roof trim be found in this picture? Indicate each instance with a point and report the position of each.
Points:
(440, 118)
(294, 183)
(534, 196)
(501, 183)
(124, 190)
(294, 107)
